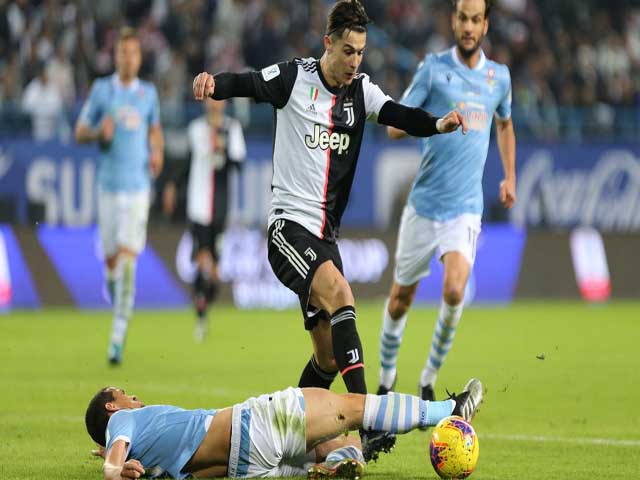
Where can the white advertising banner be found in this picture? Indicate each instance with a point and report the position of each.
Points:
(590, 264)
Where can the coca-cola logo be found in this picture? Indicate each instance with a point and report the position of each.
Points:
(606, 196)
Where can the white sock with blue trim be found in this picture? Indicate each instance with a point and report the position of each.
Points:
(401, 413)
(441, 342)
(390, 341)
(345, 452)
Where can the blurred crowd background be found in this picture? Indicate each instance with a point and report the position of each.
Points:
(575, 64)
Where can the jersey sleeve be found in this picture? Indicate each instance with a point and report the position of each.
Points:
(120, 427)
(237, 148)
(374, 98)
(416, 94)
(503, 112)
(274, 84)
(154, 112)
(92, 110)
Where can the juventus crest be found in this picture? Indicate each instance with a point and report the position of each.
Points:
(351, 118)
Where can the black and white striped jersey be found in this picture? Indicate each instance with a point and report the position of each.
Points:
(214, 151)
(318, 134)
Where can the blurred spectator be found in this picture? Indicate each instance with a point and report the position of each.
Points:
(565, 57)
(60, 72)
(43, 101)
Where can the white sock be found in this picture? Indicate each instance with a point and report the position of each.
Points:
(441, 342)
(124, 294)
(345, 452)
(125, 288)
(119, 330)
(390, 341)
(401, 413)
(109, 276)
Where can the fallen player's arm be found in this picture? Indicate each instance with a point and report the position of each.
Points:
(417, 122)
(115, 467)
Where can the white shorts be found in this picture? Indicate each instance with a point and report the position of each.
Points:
(269, 436)
(122, 220)
(420, 237)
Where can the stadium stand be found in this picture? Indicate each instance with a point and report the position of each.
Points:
(575, 64)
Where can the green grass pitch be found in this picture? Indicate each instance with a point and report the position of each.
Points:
(562, 381)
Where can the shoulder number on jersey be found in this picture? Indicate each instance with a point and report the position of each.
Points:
(269, 73)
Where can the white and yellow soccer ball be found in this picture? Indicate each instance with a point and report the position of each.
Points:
(454, 448)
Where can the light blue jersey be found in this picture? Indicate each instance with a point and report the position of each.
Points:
(161, 437)
(124, 165)
(449, 181)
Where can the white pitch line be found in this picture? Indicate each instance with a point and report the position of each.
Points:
(576, 441)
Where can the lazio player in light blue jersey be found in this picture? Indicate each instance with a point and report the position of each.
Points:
(280, 434)
(122, 115)
(444, 208)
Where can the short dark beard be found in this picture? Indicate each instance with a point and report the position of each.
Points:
(468, 53)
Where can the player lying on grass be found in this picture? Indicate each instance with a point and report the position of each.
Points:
(280, 434)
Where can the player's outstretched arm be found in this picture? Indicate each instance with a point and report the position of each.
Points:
(417, 122)
(272, 84)
(115, 467)
(225, 85)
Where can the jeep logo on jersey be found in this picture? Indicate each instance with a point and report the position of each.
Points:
(322, 139)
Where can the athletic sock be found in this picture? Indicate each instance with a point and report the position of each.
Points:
(401, 413)
(314, 376)
(111, 283)
(345, 452)
(347, 349)
(390, 341)
(448, 319)
(124, 295)
(200, 287)
(205, 291)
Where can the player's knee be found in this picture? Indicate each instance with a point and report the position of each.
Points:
(204, 260)
(339, 293)
(399, 303)
(326, 361)
(453, 294)
(111, 262)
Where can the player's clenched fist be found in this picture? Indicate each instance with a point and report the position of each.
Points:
(203, 85)
(451, 121)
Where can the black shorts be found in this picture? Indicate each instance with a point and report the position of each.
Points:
(205, 237)
(295, 254)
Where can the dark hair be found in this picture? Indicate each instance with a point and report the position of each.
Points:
(96, 417)
(347, 15)
(488, 4)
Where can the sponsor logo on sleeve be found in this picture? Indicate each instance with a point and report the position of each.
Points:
(269, 73)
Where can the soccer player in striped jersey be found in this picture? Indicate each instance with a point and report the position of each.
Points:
(289, 433)
(122, 115)
(321, 107)
(444, 208)
(217, 148)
